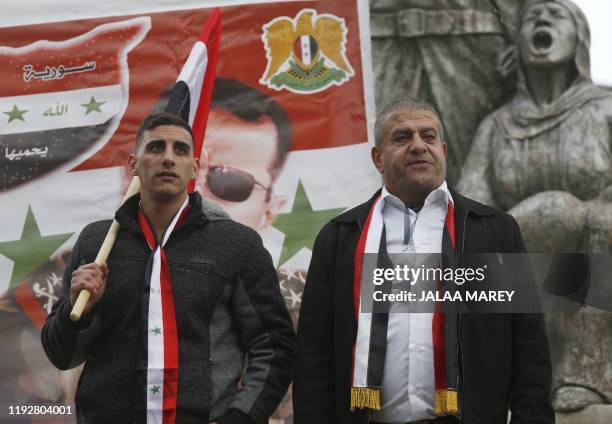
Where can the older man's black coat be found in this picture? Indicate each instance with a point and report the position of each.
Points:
(504, 358)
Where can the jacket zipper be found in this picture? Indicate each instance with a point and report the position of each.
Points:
(459, 332)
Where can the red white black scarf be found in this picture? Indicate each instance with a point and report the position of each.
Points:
(370, 347)
(162, 334)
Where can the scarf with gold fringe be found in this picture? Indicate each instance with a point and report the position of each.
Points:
(370, 347)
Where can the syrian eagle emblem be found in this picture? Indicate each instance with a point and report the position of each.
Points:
(305, 54)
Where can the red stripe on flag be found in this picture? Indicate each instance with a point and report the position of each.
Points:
(449, 222)
(30, 305)
(439, 346)
(358, 261)
(211, 36)
(170, 344)
(146, 229)
(103, 45)
(437, 322)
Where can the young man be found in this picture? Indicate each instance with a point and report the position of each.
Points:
(354, 367)
(187, 304)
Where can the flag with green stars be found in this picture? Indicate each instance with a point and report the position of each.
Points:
(284, 158)
(60, 101)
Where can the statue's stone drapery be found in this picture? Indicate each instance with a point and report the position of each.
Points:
(546, 157)
(528, 146)
(446, 52)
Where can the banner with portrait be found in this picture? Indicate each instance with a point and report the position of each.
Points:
(286, 147)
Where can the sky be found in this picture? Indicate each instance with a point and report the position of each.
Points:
(598, 13)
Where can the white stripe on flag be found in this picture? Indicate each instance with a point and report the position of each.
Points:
(193, 76)
(60, 109)
(155, 358)
(305, 41)
(362, 345)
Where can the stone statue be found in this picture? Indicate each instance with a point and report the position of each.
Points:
(447, 52)
(546, 157)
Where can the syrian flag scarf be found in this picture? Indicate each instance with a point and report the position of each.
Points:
(162, 334)
(370, 347)
(190, 99)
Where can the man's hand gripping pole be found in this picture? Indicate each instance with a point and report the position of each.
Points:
(107, 245)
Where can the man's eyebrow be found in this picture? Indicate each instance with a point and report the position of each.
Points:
(402, 131)
(186, 143)
(155, 140)
(182, 141)
(425, 129)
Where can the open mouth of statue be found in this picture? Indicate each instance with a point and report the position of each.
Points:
(542, 41)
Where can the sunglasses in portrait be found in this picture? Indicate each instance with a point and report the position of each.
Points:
(233, 184)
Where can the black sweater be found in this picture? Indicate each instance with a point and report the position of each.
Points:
(228, 306)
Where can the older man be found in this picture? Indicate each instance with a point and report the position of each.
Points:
(355, 367)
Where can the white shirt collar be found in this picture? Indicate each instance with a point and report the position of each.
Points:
(440, 193)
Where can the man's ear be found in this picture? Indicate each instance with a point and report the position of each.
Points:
(132, 165)
(195, 169)
(376, 159)
(444, 148)
(273, 208)
(202, 170)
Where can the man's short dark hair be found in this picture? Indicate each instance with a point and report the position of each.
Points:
(158, 119)
(406, 104)
(250, 104)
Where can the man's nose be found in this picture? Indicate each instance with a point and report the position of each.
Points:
(418, 145)
(168, 155)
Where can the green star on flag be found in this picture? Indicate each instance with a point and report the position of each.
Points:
(15, 113)
(302, 224)
(156, 331)
(32, 250)
(92, 106)
(155, 389)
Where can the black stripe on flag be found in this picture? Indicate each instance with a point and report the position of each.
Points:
(179, 99)
(380, 322)
(27, 156)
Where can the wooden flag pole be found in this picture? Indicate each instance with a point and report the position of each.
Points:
(107, 245)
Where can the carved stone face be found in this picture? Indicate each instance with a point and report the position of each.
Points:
(548, 36)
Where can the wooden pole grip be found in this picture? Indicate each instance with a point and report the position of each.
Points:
(105, 249)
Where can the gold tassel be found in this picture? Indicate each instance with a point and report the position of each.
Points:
(446, 402)
(365, 397)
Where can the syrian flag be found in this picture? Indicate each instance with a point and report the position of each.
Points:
(190, 99)
(191, 94)
(60, 101)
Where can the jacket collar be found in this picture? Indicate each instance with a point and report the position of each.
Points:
(359, 213)
(202, 211)
(462, 205)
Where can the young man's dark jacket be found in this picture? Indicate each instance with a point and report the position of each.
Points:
(504, 358)
(227, 304)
